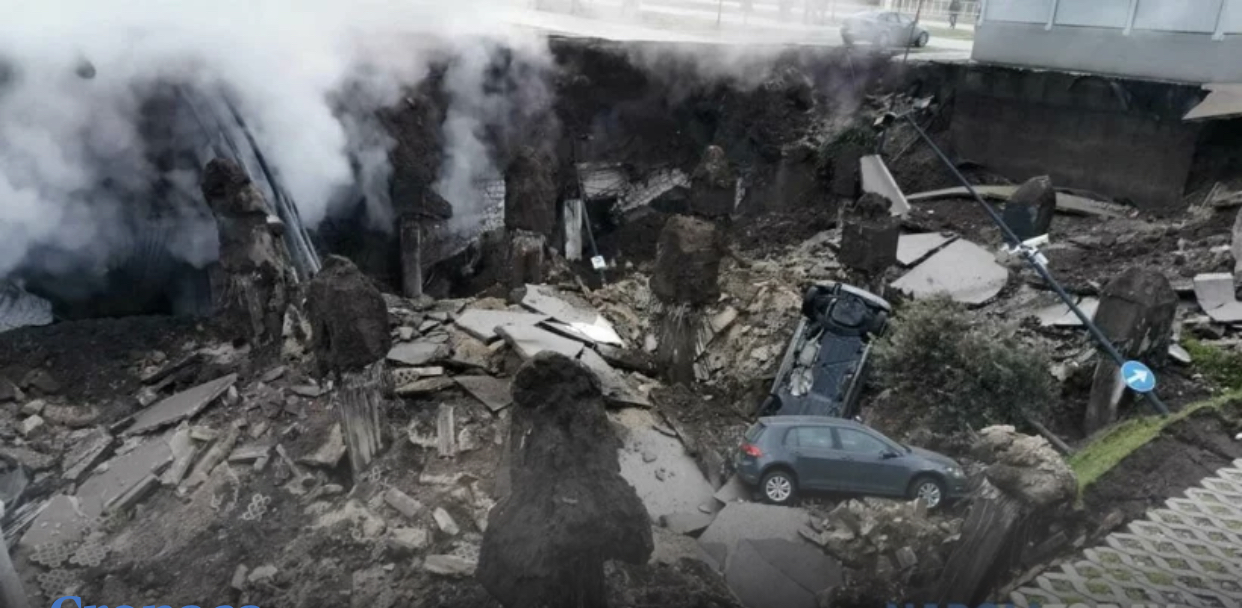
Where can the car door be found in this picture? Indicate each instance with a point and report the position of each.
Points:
(905, 30)
(816, 461)
(869, 470)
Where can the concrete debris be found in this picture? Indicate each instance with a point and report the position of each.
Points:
(687, 523)
(204, 434)
(616, 387)
(583, 320)
(309, 391)
(407, 375)
(449, 565)
(348, 316)
(1066, 202)
(778, 572)
(34, 407)
(733, 490)
(404, 503)
(9, 391)
(417, 354)
(239, 577)
(492, 392)
(409, 540)
(482, 324)
(445, 522)
(424, 387)
(446, 433)
(262, 574)
(1179, 354)
(1025, 467)
(877, 179)
(358, 405)
(1060, 315)
(20, 308)
(1215, 293)
(29, 426)
(215, 455)
(90, 447)
(182, 406)
(530, 341)
(964, 271)
(330, 452)
(184, 451)
(914, 248)
(72, 416)
(251, 453)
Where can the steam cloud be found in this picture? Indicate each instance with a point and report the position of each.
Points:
(72, 156)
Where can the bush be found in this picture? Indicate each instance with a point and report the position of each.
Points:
(947, 372)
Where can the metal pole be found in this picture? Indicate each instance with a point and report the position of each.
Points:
(719, 12)
(11, 593)
(1028, 255)
(910, 39)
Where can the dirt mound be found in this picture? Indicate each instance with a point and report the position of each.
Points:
(688, 262)
(530, 193)
(349, 317)
(570, 509)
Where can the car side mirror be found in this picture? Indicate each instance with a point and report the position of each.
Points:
(887, 454)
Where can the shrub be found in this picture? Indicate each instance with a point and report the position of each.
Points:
(948, 372)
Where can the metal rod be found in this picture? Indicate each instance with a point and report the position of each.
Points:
(1028, 255)
(910, 38)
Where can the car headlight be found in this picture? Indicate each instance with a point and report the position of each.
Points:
(954, 472)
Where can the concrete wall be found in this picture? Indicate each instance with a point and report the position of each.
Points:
(1194, 41)
(1123, 139)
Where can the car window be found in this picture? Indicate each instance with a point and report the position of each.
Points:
(811, 437)
(905, 19)
(859, 442)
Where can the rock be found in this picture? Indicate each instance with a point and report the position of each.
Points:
(239, 577)
(425, 386)
(1136, 313)
(33, 407)
(403, 503)
(408, 540)
(906, 558)
(415, 354)
(449, 565)
(1029, 211)
(330, 452)
(1025, 467)
(445, 522)
(263, 574)
(348, 316)
(72, 416)
(688, 262)
(405, 334)
(30, 426)
(9, 391)
(41, 380)
(869, 246)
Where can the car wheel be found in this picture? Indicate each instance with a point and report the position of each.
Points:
(929, 490)
(923, 38)
(778, 487)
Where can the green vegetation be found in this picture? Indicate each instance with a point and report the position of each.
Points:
(1118, 442)
(1220, 366)
(982, 374)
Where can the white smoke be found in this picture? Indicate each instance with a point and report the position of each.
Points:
(62, 136)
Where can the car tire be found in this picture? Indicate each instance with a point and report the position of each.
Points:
(778, 487)
(928, 489)
(924, 38)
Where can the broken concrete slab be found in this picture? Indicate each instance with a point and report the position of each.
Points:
(1060, 315)
(63, 520)
(417, 354)
(1067, 202)
(687, 523)
(733, 490)
(495, 393)
(617, 389)
(409, 539)
(482, 324)
(740, 521)
(1215, 293)
(403, 503)
(330, 452)
(964, 271)
(530, 341)
(184, 451)
(445, 522)
(586, 321)
(684, 487)
(877, 179)
(914, 248)
(182, 406)
(90, 447)
(424, 387)
(1179, 354)
(250, 453)
(215, 455)
(776, 572)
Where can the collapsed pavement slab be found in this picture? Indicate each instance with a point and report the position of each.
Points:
(417, 354)
(914, 248)
(775, 572)
(740, 521)
(617, 388)
(588, 322)
(1215, 294)
(964, 271)
(878, 180)
(530, 341)
(182, 406)
(492, 392)
(482, 324)
(645, 453)
(1060, 315)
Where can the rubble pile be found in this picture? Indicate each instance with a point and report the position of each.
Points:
(888, 548)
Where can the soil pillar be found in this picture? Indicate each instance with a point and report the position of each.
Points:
(685, 282)
(869, 235)
(1029, 211)
(713, 186)
(1136, 313)
(351, 339)
(251, 281)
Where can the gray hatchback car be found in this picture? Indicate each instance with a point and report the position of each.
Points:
(783, 455)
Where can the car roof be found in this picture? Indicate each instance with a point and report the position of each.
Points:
(812, 420)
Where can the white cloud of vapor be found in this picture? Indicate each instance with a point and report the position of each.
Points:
(70, 148)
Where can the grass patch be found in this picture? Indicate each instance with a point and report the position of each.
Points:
(1221, 366)
(1115, 444)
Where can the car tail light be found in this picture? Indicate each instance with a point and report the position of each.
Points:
(751, 449)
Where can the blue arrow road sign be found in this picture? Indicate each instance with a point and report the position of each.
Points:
(1138, 377)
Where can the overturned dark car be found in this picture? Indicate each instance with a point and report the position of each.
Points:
(825, 365)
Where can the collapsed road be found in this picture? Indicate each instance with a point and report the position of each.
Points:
(409, 414)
